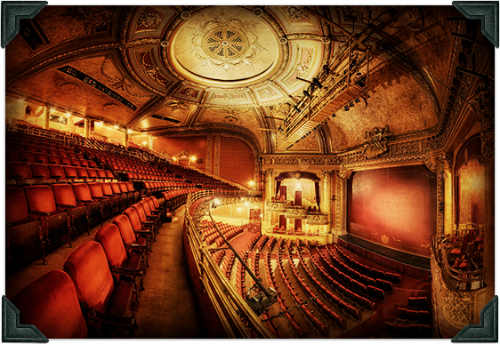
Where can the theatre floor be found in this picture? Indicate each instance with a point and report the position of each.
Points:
(167, 306)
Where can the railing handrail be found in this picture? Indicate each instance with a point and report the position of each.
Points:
(441, 250)
(229, 305)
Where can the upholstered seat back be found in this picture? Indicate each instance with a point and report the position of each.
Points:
(111, 241)
(16, 207)
(63, 194)
(50, 303)
(82, 192)
(125, 227)
(40, 198)
(88, 267)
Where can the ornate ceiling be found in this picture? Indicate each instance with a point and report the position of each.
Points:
(174, 70)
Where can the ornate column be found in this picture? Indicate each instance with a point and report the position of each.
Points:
(341, 202)
(326, 195)
(86, 128)
(482, 105)
(436, 166)
(448, 181)
(125, 138)
(150, 142)
(46, 117)
(269, 192)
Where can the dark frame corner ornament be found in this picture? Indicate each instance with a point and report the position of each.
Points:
(487, 12)
(13, 331)
(13, 12)
(484, 332)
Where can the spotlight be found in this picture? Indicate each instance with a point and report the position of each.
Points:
(296, 108)
(317, 83)
(307, 94)
(326, 68)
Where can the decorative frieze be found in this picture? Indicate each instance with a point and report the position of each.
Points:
(318, 219)
(296, 213)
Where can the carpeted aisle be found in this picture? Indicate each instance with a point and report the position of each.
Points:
(168, 308)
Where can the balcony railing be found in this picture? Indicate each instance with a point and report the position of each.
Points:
(468, 277)
(234, 313)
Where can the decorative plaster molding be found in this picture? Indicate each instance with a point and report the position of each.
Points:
(12, 14)
(487, 12)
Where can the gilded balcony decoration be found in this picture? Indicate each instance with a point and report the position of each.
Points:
(317, 219)
(296, 213)
(275, 206)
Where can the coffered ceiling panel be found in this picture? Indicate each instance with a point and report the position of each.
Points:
(177, 68)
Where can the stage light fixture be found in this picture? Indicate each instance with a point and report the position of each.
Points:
(296, 108)
(306, 94)
(317, 83)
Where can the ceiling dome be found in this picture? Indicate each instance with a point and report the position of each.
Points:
(224, 44)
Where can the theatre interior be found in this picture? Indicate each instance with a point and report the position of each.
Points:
(249, 171)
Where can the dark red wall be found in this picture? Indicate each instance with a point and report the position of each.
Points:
(237, 161)
(394, 207)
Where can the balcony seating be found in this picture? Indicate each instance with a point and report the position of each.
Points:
(51, 304)
(54, 223)
(78, 212)
(123, 264)
(115, 199)
(139, 225)
(95, 206)
(107, 202)
(23, 233)
(138, 240)
(100, 297)
(21, 173)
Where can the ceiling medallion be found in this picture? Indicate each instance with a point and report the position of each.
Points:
(185, 15)
(225, 43)
(258, 11)
(283, 40)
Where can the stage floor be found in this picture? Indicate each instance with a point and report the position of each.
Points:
(399, 256)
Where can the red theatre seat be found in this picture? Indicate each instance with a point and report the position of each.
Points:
(51, 304)
(138, 220)
(78, 212)
(133, 241)
(23, 243)
(55, 223)
(99, 296)
(95, 207)
(123, 264)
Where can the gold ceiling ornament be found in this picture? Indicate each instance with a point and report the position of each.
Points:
(224, 44)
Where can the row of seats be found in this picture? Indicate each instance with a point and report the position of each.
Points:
(367, 270)
(339, 287)
(358, 276)
(41, 217)
(371, 291)
(63, 158)
(315, 322)
(299, 332)
(22, 173)
(97, 292)
(413, 315)
(337, 319)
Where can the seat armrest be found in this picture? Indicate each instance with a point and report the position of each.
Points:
(41, 213)
(128, 271)
(66, 205)
(143, 232)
